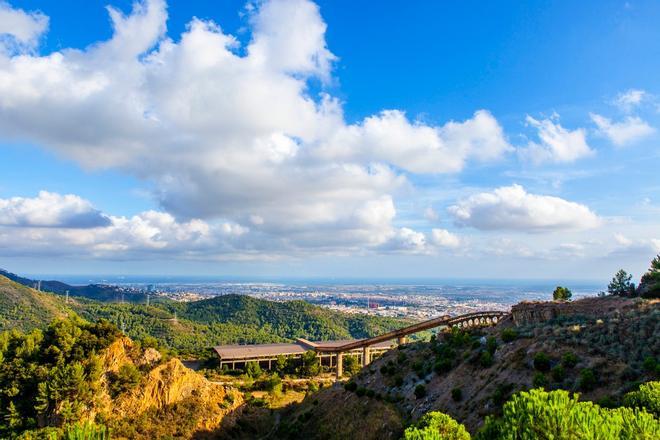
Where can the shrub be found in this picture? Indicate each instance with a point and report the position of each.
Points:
(650, 364)
(351, 365)
(491, 345)
(457, 394)
(558, 373)
(442, 366)
(502, 393)
(587, 380)
(85, 431)
(647, 397)
(371, 393)
(398, 381)
(486, 359)
(569, 360)
(361, 391)
(558, 415)
(420, 391)
(350, 386)
(539, 380)
(541, 362)
(562, 294)
(125, 379)
(509, 335)
(274, 385)
(436, 426)
(310, 364)
(253, 370)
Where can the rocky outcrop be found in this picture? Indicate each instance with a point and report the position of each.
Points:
(116, 355)
(529, 312)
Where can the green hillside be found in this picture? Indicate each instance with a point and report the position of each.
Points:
(24, 308)
(290, 319)
(190, 329)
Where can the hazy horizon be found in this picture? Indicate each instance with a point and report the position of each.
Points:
(321, 139)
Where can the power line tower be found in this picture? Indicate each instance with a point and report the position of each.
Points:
(148, 300)
(66, 293)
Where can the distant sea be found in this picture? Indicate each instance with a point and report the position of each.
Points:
(488, 290)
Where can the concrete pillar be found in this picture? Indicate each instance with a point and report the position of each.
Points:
(366, 356)
(340, 365)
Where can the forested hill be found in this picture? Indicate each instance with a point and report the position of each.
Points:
(23, 308)
(190, 329)
(99, 292)
(288, 319)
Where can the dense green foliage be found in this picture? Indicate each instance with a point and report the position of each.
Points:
(51, 378)
(538, 414)
(650, 283)
(562, 294)
(647, 397)
(621, 284)
(190, 329)
(24, 309)
(436, 426)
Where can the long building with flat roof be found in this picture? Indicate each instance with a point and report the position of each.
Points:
(234, 356)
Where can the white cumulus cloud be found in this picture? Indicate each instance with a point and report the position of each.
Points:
(20, 30)
(630, 99)
(623, 133)
(513, 208)
(50, 210)
(556, 143)
(445, 239)
(231, 133)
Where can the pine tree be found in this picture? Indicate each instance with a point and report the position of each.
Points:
(621, 285)
(562, 294)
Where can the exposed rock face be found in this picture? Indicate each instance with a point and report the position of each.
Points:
(149, 357)
(170, 383)
(535, 312)
(165, 384)
(116, 355)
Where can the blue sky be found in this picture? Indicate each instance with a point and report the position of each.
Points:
(435, 139)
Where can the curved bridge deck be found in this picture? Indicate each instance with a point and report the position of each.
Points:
(329, 351)
(477, 319)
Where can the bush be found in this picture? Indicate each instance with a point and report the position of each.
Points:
(650, 364)
(587, 380)
(361, 391)
(558, 415)
(350, 386)
(569, 360)
(125, 379)
(647, 397)
(457, 394)
(420, 391)
(310, 364)
(253, 370)
(539, 380)
(371, 393)
(274, 385)
(486, 359)
(436, 426)
(509, 335)
(558, 373)
(85, 431)
(562, 294)
(491, 345)
(541, 362)
(442, 366)
(502, 393)
(398, 381)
